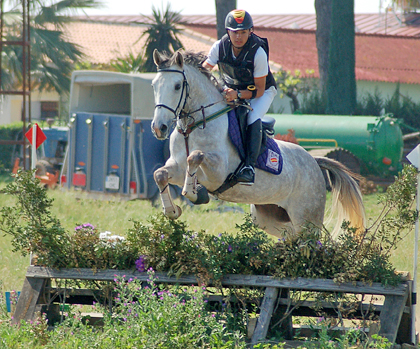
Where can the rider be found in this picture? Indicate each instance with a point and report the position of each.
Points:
(242, 58)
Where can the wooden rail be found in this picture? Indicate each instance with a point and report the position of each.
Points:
(395, 313)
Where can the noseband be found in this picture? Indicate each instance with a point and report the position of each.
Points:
(185, 87)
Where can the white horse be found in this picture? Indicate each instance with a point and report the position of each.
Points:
(202, 156)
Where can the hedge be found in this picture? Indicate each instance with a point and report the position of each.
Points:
(9, 132)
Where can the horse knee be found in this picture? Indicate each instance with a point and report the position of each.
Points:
(161, 178)
(195, 158)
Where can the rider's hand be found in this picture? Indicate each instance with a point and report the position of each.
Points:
(230, 94)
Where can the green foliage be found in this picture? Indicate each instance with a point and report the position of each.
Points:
(148, 316)
(162, 34)
(9, 133)
(397, 105)
(405, 109)
(131, 63)
(398, 214)
(314, 102)
(169, 318)
(341, 80)
(292, 85)
(52, 55)
(142, 317)
(34, 229)
(370, 104)
(31, 224)
(169, 246)
(178, 317)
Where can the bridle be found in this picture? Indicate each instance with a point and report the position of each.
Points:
(180, 113)
(185, 87)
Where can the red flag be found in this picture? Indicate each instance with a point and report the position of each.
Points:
(40, 136)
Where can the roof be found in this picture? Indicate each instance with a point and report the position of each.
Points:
(378, 57)
(102, 42)
(382, 54)
(387, 23)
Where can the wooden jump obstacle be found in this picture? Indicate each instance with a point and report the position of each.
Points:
(37, 295)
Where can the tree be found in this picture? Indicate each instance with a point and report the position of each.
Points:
(223, 7)
(323, 27)
(406, 5)
(341, 80)
(52, 55)
(162, 34)
(131, 63)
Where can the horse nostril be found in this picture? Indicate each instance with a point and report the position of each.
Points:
(163, 129)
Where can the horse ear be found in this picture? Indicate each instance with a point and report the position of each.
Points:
(157, 57)
(179, 59)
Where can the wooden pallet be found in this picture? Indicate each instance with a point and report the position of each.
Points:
(394, 315)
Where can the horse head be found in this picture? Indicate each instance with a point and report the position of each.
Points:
(170, 90)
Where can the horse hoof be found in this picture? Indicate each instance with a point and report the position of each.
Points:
(173, 213)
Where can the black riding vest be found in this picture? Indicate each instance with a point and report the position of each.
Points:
(239, 73)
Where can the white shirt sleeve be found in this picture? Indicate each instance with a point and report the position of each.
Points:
(213, 56)
(260, 63)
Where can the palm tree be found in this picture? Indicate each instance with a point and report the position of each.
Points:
(131, 63)
(52, 55)
(162, 34)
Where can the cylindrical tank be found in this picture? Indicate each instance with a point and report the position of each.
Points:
(375, 140)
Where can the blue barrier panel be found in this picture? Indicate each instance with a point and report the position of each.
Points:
(9, 300)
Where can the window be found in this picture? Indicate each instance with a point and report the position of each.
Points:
(49, 110)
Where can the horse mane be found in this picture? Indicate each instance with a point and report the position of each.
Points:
(193, 59)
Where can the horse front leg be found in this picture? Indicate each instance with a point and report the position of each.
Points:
(192, 190)
(161, 177)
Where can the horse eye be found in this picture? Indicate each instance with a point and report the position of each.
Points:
(177, 87)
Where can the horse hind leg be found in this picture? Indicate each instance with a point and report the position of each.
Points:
(169, 208)
(192, 190)
(273, 219)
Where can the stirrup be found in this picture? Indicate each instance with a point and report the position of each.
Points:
(246, 175)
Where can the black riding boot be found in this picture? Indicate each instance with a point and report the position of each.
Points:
(246, 175)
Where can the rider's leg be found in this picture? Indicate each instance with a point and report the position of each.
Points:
(253, 144)
(254, 135)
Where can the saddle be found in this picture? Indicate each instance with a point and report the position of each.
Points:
(270, 158)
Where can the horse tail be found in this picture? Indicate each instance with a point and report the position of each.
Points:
(347, 201)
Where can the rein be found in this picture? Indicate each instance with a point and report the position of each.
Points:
(179, 113)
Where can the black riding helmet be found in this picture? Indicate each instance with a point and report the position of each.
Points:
(238, 20)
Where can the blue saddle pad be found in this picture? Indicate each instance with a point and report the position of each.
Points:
(270, 160)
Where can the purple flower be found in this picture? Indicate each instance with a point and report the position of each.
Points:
(230, 248)
(86, 226)
(140, 264)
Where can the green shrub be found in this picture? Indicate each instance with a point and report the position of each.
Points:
(400, 106)
(405, 109)
(11, 132)
(169, 246)
(370, 104)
